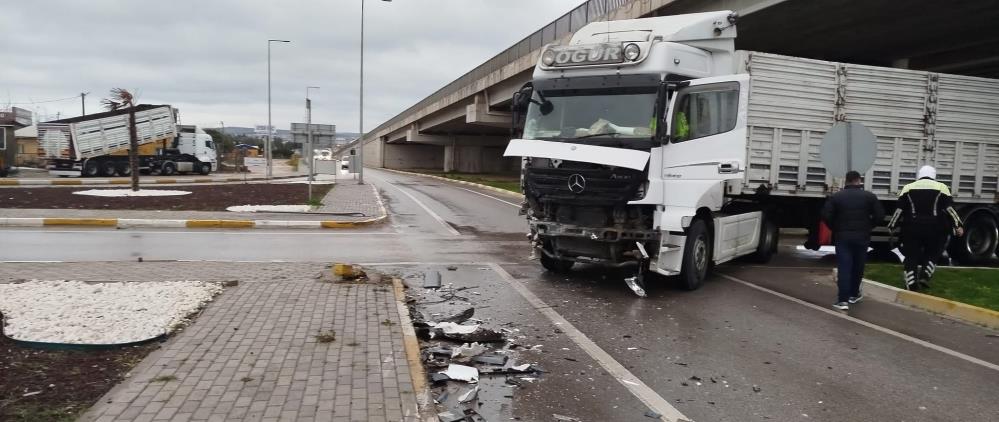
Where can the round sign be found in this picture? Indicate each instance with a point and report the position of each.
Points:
(848, 146)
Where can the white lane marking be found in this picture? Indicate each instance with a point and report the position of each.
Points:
(872, 326)
(488, 196)
(436, 264)
(643, 392)
(216, 232)
(425, 208)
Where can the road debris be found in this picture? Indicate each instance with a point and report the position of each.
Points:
(653, 415)
(469, 395)
(462, 373)
(432, 280)
(467, 350)
(492, 359)
(564, 418)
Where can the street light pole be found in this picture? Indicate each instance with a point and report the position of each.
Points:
(308, 130)
(360, 137)
(221, 147)
(270, 126)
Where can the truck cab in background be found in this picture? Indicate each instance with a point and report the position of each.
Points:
(193, 141)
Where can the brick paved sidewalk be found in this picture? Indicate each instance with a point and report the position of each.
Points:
(252, 354)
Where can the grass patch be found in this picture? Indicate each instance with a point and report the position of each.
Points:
(246, 379)
(316, 202)
(326, 337)
(388, 323)
(37, 413)
(164, 378)
(974, 286)
(502, 181)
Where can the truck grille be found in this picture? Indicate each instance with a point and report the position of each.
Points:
(602, 185)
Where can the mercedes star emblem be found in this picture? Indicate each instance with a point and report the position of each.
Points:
(577, 184)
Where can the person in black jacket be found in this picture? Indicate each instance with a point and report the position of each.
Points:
(851, 214)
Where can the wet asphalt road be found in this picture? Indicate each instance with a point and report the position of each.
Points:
(770, 357)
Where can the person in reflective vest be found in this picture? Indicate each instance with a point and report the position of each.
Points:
(926, 216)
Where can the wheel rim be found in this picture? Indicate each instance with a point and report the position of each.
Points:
(700, 255)
(980, 239)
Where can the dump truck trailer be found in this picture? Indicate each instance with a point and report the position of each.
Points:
(98, 144)
(654, 142)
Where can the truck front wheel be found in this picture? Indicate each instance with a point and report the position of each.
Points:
(204, 169)
(696, 256)
(91, 168)
(769, 239)
(979, 240)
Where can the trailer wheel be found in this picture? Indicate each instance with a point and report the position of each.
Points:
(168, 168)
(769, 239)
(124, 169)
(107, 168)
(91, 168)
(205, 168)
(979, 240)
(696, 256)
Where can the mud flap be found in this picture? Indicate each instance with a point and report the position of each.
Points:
(637, 282)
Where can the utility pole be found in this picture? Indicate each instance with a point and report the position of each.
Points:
(83, 103)
(308, 130)
(270, 127)
(221, 146)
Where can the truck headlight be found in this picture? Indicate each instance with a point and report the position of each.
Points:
(548, 57)
(631, 52)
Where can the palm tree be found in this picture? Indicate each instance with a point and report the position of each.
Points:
(120, 98)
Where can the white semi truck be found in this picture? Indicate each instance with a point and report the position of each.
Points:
(97, 144)
(653, 141)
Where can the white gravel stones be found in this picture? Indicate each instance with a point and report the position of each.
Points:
(270, 208)
(76, 312)
(117, 193)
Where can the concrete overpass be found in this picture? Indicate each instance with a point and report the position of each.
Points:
(464, 126)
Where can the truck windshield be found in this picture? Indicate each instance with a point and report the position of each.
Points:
(598, 114)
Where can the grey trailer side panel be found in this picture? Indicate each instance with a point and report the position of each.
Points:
(918, 118)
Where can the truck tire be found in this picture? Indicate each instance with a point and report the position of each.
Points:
(168, 169)
(124, 169)
(555, 265)
(979, 241)
(107, 168)
(204, 168)
(769, 239)
(696, 256)
(91, 168)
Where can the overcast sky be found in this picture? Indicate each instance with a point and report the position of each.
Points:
(209, 57)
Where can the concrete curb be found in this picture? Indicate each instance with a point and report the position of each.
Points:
(125, 223)
(412, 346)
(460, 182)
(148, 182)
(937, 305)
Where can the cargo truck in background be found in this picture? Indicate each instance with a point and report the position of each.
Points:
(654, 142)
(97, 144)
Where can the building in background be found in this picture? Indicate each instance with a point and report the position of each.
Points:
(11, 120)
(26, 140)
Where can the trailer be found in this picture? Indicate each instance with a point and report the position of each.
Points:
(654, 143)
(98, 144)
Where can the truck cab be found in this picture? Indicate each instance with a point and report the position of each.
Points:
(631, 133)
(193, 141)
